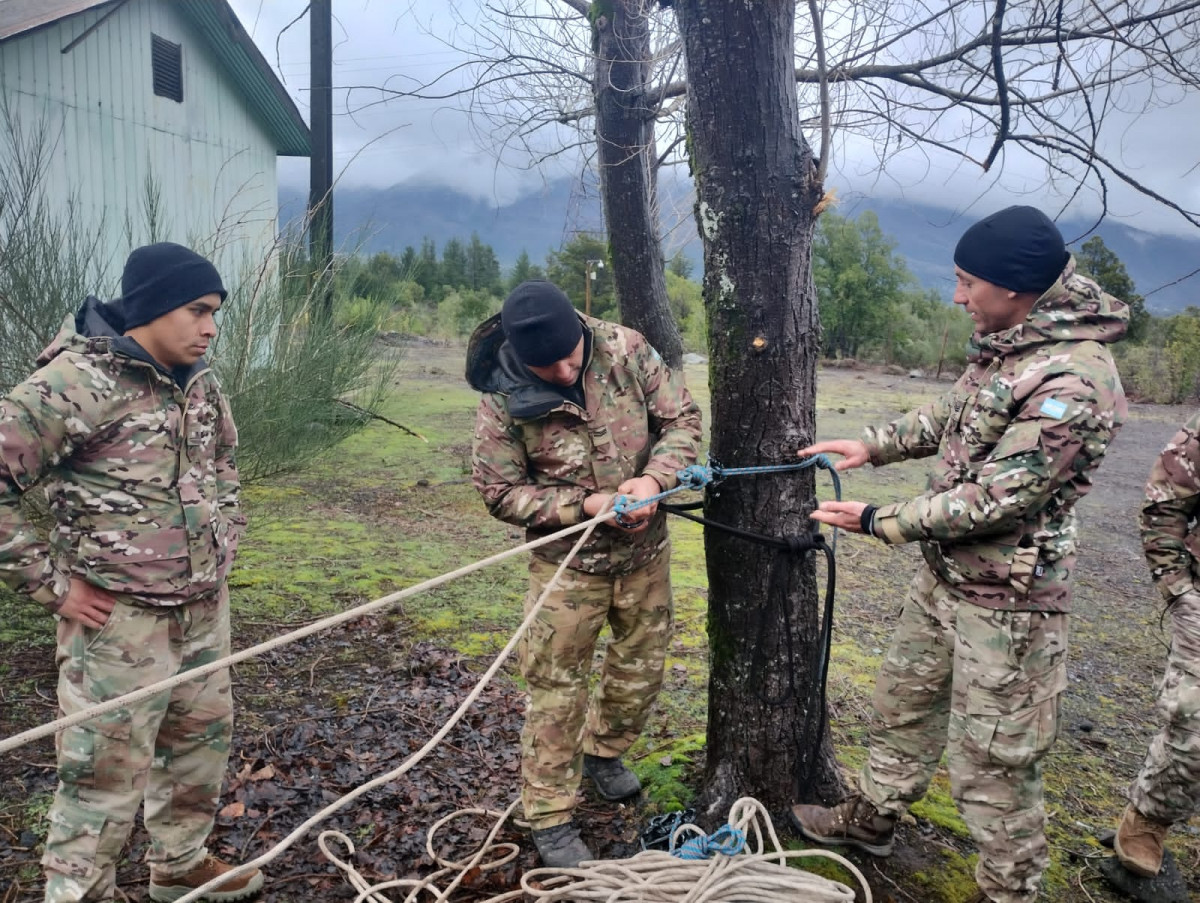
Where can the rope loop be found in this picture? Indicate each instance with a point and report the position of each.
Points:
(726, 839)
(695, 476)
(623, 504)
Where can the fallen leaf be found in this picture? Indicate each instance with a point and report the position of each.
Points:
(233, 810)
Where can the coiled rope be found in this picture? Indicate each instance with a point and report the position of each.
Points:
(651, 876)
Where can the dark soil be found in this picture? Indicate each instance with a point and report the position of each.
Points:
(332, 713)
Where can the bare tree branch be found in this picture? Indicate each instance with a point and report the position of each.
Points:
(814, 13)
(1001, 86)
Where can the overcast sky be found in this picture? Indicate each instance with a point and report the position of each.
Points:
(432, 142)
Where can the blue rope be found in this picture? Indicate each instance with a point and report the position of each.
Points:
(727, 840)
(699, 476)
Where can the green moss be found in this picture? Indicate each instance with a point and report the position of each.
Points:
(823, 866)
(937, 807)
(598, 9)
(952, 880)
(667, 772)
(858, 667)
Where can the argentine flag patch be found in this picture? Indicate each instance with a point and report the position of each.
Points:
(1052, 407)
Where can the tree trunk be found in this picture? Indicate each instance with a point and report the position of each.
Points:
(756, 193)
(625, 141)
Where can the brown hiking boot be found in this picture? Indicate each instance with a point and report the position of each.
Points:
(165, 890)
(852, 822)
(1139, 843)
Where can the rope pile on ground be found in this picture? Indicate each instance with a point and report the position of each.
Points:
(760, 875)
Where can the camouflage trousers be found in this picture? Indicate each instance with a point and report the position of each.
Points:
(169, 751)
(984, 686)
(1167, 790)
(561, 724)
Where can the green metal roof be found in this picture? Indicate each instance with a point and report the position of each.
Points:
(228, 40)
(241, 58)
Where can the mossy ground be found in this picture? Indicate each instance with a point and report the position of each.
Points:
(387, 510)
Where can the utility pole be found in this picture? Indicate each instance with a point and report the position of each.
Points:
(589, 275)
(320, 181)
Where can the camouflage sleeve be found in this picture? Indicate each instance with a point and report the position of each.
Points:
(500, 471)
(41, 423)
(1172, 500)
(915, 435)
(229, 487)
(1061, 430)
(674, 417)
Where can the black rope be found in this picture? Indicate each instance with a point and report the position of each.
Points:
(788, 546)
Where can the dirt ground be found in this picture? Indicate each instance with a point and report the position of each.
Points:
(310, 738)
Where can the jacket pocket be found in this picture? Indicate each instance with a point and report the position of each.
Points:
(122, 561)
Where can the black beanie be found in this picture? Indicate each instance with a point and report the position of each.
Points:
(540, 323)
(161, 277)
(1017, 248)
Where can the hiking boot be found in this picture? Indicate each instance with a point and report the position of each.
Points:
(1139, 843)
(561, 847)
(613, 780)
(852, 822)
(242, 887)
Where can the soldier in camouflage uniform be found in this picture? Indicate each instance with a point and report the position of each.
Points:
(125, 429)
(978, 659)
(1168, 788)
(575, 411)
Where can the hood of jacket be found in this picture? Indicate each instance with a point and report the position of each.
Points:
(97, 328)
(1074, 309)
(493, 367)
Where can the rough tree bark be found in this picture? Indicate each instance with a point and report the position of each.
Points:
(757, 190)
(626, 162)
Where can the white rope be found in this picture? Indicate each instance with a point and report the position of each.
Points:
(370, 893)
(366, 608)
(338, 804)
(651, 876)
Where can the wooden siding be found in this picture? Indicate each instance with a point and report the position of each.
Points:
(211, 160)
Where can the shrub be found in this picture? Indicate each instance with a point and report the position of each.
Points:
(288, 368)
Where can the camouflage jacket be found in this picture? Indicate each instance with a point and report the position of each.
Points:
(1170, 532)
(1017, 438)
(137, 464)
(538, 454)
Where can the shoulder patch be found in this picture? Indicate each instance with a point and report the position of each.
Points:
(1052, 407)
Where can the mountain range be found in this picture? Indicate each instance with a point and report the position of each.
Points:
(368, 220)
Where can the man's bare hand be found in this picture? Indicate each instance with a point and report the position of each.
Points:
(843, 515)
(637, 489)
(86, 604)
(854, 452)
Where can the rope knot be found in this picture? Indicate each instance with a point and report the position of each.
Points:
(623, 505)
(804, 542)
(727, 840)
(695, 476)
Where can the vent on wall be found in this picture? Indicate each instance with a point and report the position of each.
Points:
(167, 60)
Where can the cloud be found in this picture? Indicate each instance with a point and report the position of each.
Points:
(381, 141)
